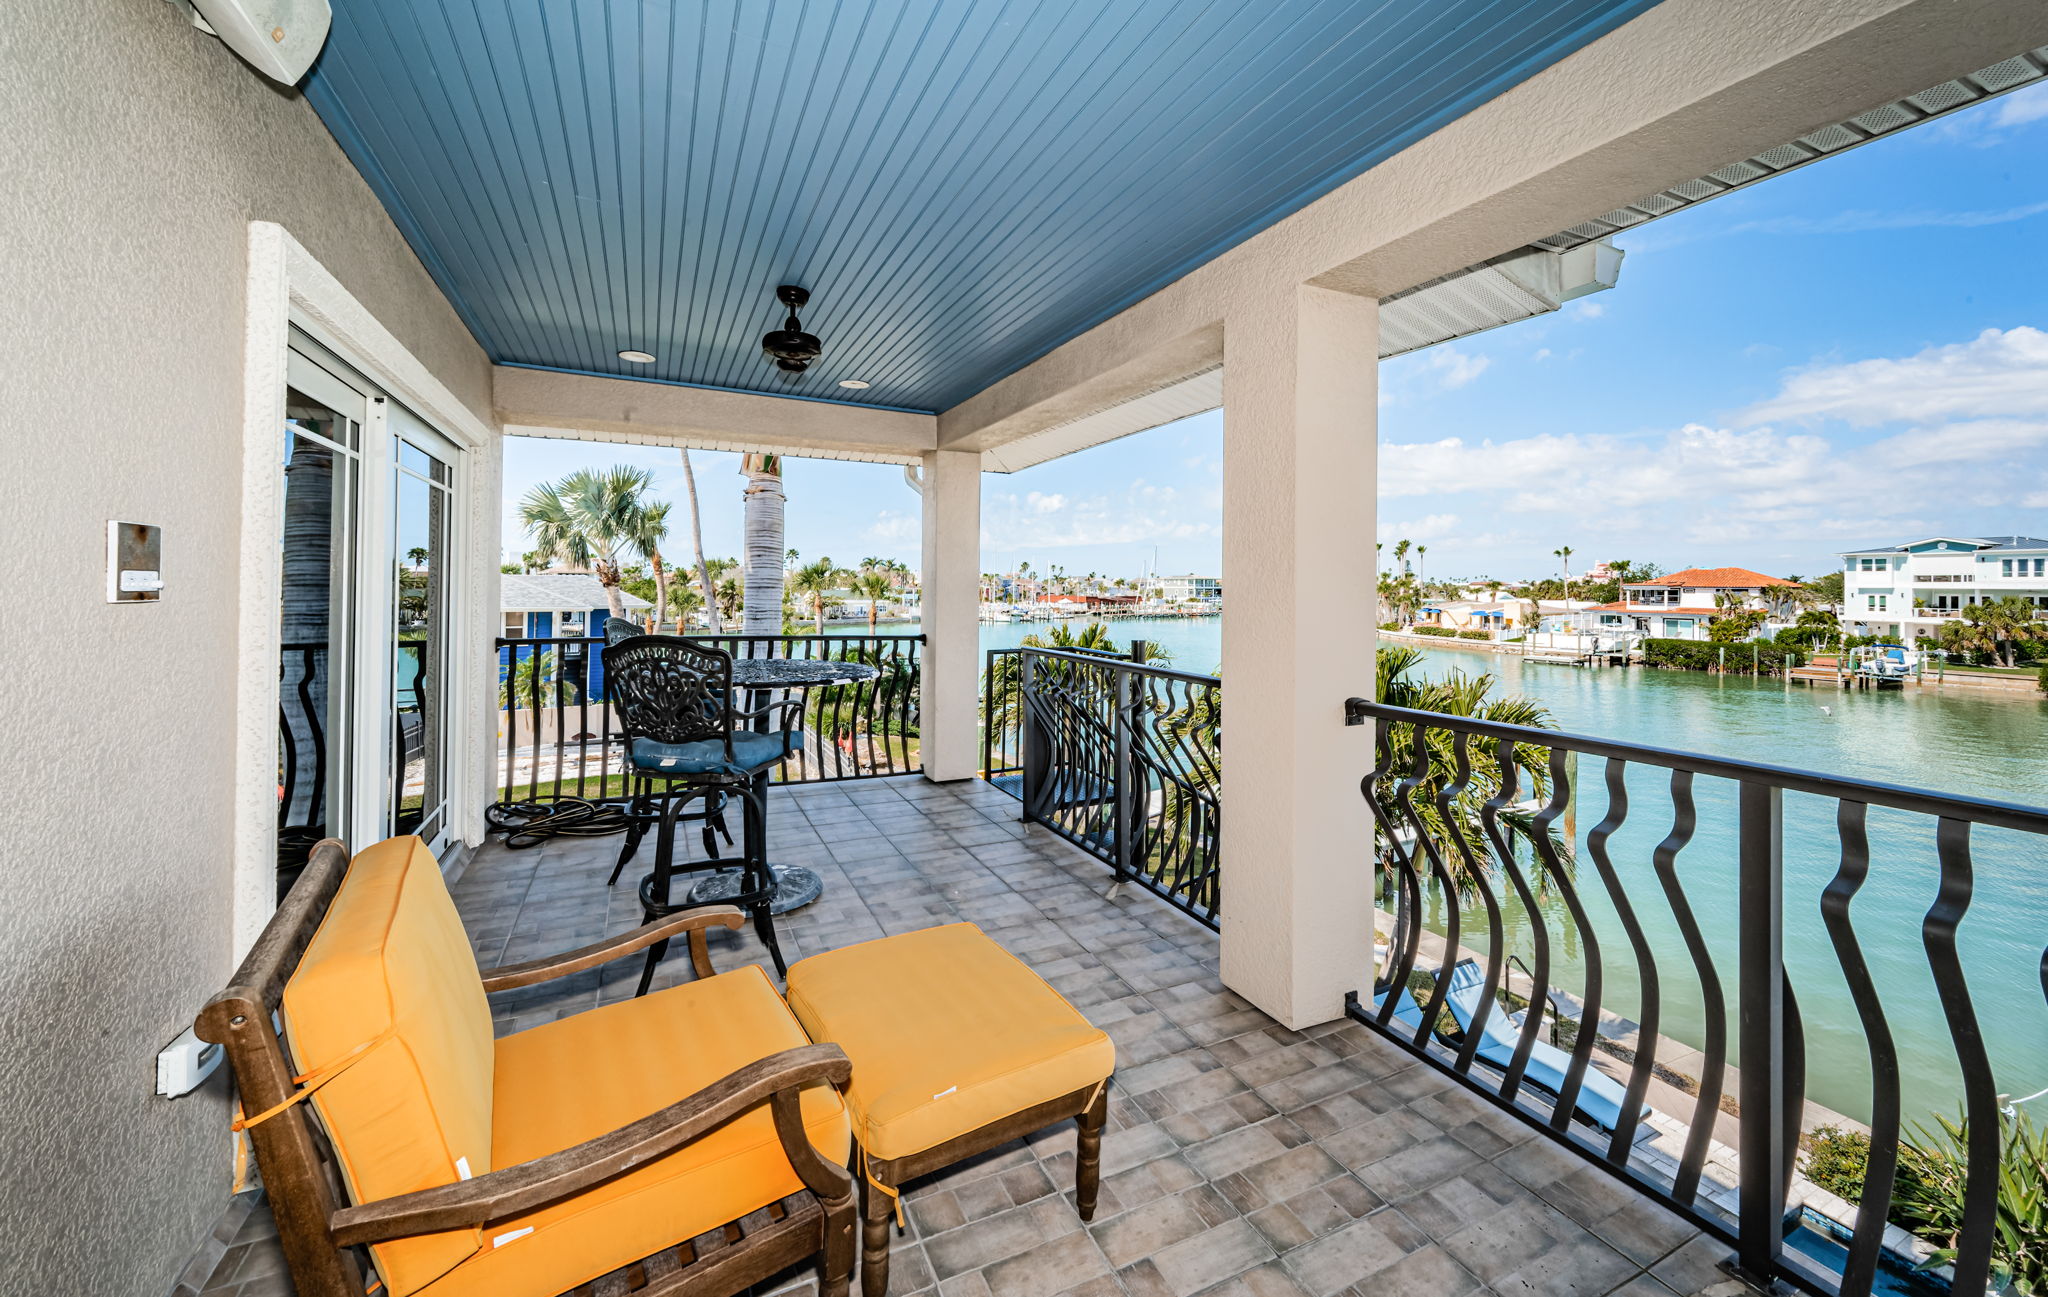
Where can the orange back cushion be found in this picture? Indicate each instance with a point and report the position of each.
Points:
(390, 974)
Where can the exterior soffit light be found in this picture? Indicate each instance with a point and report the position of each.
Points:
(637, 357)
(853, 384)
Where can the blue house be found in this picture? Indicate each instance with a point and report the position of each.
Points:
(559, 606)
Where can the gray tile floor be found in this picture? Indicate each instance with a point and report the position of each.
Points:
(1242, 1159)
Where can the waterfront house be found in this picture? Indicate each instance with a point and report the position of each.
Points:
(1189, 588)
(540, 605)
(278, 331)
(1908, 591)
(1684, 605)
(1492, 615)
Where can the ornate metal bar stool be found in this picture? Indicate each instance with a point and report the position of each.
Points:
(674, 700)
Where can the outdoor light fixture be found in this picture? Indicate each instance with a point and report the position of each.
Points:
(790, 347)
(853, 384)
(637, 357)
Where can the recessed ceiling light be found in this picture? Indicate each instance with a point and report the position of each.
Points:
(852, 384)
(637, 357)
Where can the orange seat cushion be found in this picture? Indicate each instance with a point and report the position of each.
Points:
(947, 1032)
(391, 969)
(583, 1076)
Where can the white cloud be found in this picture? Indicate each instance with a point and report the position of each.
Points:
(1585, 310)
(2038, 500)
(1454, 368)
(1999, 373)
(1862, 220)
(2023, 106)
(1435, 526)
(890, 525)
(1542, 353)
(1143, 513)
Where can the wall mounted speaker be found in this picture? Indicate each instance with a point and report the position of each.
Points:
(279, 38)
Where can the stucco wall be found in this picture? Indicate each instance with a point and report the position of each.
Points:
(134, 151)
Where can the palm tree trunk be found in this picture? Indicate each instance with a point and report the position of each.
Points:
(660, 590)
(763, 547)
(697, 542)
(818, 609)
(608, 577)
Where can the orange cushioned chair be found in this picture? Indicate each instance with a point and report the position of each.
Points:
(687, 1142)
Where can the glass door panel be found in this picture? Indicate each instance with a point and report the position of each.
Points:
(322, 441)
(422, 514)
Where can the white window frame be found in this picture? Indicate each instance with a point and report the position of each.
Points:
(288, 287)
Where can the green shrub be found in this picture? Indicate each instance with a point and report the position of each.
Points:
(2043, 679)
(1441, 632)
(1838, 1160)
(1928, 1198)
(1486, 634)
(1704, 655)
(1390, 625)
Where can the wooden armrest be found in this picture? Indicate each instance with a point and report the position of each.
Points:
(496, 1195)
(507, 976)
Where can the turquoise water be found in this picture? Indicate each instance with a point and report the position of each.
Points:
(1992, 746)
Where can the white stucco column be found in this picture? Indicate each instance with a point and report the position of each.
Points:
(950, 603)
(1299, 391)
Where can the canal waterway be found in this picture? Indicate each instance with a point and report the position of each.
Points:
(1993, 746)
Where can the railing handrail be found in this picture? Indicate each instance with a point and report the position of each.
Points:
(510, 641)
(1977, 810)
(1148, 668)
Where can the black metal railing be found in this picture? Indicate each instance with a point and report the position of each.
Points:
(1124, 760)
(1477, 849)
(558, 737)
(1002, 720)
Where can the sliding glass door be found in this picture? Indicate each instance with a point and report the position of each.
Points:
(367, 613)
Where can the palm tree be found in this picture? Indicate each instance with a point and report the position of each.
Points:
(1458, 695)
(651, 528)
(1421, 568)
(1401, 553)
(1564, 554)
(762, 545)
(592, 519)
(705, 577)
(1998, 626)
(874, 587)
(815, 580)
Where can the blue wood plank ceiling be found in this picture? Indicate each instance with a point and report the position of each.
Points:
(962, 186)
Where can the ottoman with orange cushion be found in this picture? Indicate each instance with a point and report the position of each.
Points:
(957, 1047)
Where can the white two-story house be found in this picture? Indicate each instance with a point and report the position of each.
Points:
(1684, 604)
(1907, 591)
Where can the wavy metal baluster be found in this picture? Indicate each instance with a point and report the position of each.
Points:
(1980, 1097)
(1589, 1012)
(1881, 1172)
(1408, 903)
(1539, 928)
(1646, 963)
(1448, 796)
(1684, 821)
(1419, 743)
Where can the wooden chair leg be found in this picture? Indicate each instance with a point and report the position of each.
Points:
(1088, 1154)
(835, 1259)
(877, 1210)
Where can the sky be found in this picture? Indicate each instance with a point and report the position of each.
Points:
(1851, 354)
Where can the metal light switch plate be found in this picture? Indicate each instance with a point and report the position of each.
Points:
(134, 562)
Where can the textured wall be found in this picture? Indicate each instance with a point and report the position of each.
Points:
(133, 152)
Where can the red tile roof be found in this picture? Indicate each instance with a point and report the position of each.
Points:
(1726, 578)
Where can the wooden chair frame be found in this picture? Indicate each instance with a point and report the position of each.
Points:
(1090, 1109)
(322, 1233)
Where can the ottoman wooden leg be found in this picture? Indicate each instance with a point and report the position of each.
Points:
(878, 1213)
(1088, 1159)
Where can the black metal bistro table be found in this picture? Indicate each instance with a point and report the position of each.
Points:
(795, 885)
